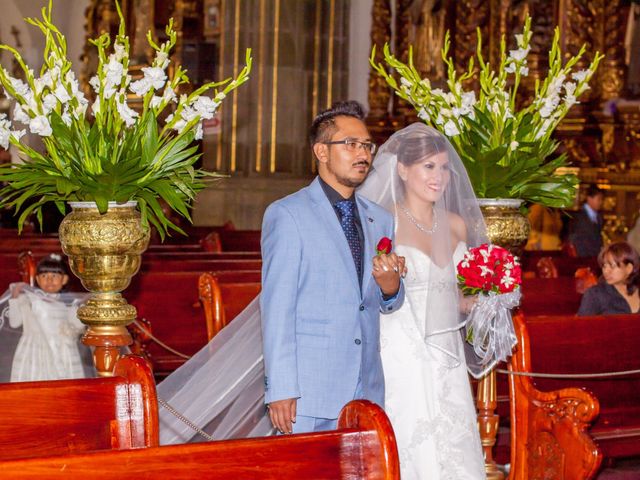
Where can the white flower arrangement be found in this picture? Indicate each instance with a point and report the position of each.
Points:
(506, 152)
(107, 151)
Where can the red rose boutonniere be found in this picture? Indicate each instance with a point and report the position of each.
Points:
(384, 246)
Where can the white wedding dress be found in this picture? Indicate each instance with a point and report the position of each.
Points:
(49, 346)
(430, 404)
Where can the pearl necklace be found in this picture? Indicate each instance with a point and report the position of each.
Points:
(418, 225)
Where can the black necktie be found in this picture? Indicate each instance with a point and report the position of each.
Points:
(348, 222)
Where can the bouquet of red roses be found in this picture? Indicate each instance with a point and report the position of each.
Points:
(488, 268)
(492, 273)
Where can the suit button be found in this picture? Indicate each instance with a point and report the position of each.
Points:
(361, 307)
(358, 341)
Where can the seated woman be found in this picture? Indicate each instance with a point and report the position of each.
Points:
(617, 291)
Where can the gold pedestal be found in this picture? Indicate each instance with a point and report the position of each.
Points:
(508, 228)
(104, 252)
(488, 422)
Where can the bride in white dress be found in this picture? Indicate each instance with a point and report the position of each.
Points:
(428, 395)
(421, 180)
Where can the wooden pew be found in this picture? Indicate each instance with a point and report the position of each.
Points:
(170, 302)
(73, 416)
(34, 243)
(27, 262)
(197, 265)
(187, 255)
(225, 296)
(546, 296)
(239, 240)
(546, 411)
(363, 447)
(564, 264)
(540, 296)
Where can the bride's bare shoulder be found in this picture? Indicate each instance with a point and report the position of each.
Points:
(458, 227)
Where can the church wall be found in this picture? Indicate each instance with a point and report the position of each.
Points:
(359, 49)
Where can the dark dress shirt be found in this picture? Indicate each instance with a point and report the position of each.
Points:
(334, 197)
(603, 299)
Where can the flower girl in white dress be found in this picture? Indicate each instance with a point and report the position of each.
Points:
(49, 346)
(419, 178)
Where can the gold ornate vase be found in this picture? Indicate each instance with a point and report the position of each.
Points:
(506, 225)
(104, 252)
(508, 228)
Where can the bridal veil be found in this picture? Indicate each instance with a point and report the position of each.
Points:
(457, 223)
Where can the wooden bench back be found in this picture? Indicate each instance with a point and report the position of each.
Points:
(239, 240)
(39, 244)
(362, 448)
(549, 436)
(546, 296)
(597, 344)
(566, 265)
(225, 294)
(199, 265)
(72, 416)
(199, 255)
(170, 301)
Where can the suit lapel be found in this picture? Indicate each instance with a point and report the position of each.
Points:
(329, 218)
(369, 231)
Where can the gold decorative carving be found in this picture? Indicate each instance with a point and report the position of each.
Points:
(405, 36)
(506, 226)
(469, 15)
(100, 16)
(379, 92)
(575, 150)
(611, 74)
(543, 20)
(545, 461)
(104, 252)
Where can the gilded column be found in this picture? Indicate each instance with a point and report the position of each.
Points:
(469, 14)
(402, 41)
(611, 71)
(379, 92)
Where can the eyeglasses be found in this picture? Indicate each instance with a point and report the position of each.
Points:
(353, 145)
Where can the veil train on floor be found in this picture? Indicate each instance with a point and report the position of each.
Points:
(221, 388)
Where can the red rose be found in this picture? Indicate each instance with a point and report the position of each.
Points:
(384, 246)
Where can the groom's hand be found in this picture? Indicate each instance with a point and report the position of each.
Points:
(387, 270)
(283, 414)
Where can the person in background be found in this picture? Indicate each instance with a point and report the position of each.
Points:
(49, 346)
(617, 291)
(585, 231)
(546, 227)
(633, 237)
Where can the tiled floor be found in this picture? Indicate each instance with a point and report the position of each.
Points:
(622, 470)
(628, 469)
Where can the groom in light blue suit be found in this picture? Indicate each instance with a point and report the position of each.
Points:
(323, 286)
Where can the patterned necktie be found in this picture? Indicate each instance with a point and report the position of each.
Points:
(348, 222)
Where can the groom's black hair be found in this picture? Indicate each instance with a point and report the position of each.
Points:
(324, 125)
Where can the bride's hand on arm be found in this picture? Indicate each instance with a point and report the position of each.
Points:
(387, 270)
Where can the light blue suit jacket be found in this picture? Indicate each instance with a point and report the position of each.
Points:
(321, 334)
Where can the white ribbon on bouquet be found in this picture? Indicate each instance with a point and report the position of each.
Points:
(491, 330)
